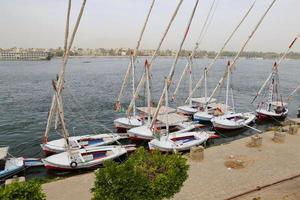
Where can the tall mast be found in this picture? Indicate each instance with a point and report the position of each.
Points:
(227, 87)
(167, 105)
(65, 50)
(189, 64)
(133, 58)
(198, 84)
(143, 78)
(133, 81)
(60, 81)
(239, 53)
(172, 70)
(148, 91)
(190, 78)
(205, 84)
(277, 64)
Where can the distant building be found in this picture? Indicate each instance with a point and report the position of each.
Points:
(34, 55)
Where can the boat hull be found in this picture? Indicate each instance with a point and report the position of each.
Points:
(83, 158)
(233, 121)
(203, 117)
(179, 142)
(144, 133)
(12, 167)
(123, 124)
(264, 115)
(140, 133)
(186, 110)
(78, 142)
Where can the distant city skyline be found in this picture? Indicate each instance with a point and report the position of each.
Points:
(117, 23)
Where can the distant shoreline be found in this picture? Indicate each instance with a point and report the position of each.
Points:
(183, 57)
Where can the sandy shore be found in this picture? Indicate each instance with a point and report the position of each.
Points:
(212, 180)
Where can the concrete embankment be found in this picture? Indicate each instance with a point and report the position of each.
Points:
(226, 171)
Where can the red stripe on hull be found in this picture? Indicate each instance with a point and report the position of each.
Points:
(263, 117)
(48, 152)
(121, 129)
(227, 129)
(50, 167)
(137, 139)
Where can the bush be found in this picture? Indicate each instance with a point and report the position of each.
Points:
(148, 176)
(31, 190)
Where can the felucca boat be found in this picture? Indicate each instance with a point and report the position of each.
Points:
(194, 104)
(211, 109)
(271, 106)
(132, 119)
(174, 141)
(78, 155)
(234, 120)
(75, 142)
(231, 120)
(88, 157)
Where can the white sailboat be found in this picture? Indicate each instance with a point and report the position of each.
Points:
(146, 76)
(272, 107)
(132, 119)
(211, 109)
(12, 167)
(178, 123)
(194, 104)
(166, 141)
(234, 120)
(75, 142)
(78, 142)
(231, 120)
(179, 142)
(83, 158)
(79, 156)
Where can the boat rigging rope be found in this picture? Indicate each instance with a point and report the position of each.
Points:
(290, 97)
(198, 84)
(232, 65)
(129, 68)
(277, 64)
(144, 78)
(210, 19)
(60, 82)
(172, 70)
(197, 44)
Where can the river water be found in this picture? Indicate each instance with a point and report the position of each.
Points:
(91, 88)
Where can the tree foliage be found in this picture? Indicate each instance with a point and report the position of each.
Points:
(148, 176)
(31, 190)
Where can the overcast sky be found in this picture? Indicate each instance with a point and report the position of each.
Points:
(117, 23)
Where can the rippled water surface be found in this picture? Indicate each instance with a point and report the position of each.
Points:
(92, 85)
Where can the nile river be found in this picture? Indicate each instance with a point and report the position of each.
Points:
(91, 88)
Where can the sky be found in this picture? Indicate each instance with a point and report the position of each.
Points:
(117, 23)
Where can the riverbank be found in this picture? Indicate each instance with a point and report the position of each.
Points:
(211, 179)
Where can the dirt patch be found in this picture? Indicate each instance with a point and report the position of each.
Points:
(237, 162)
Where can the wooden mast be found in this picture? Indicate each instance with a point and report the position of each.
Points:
(143, 78)
(133, 59)
(189, 65)
(172, 70)
(56, 105)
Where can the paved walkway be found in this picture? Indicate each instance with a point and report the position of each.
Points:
(211, 179)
